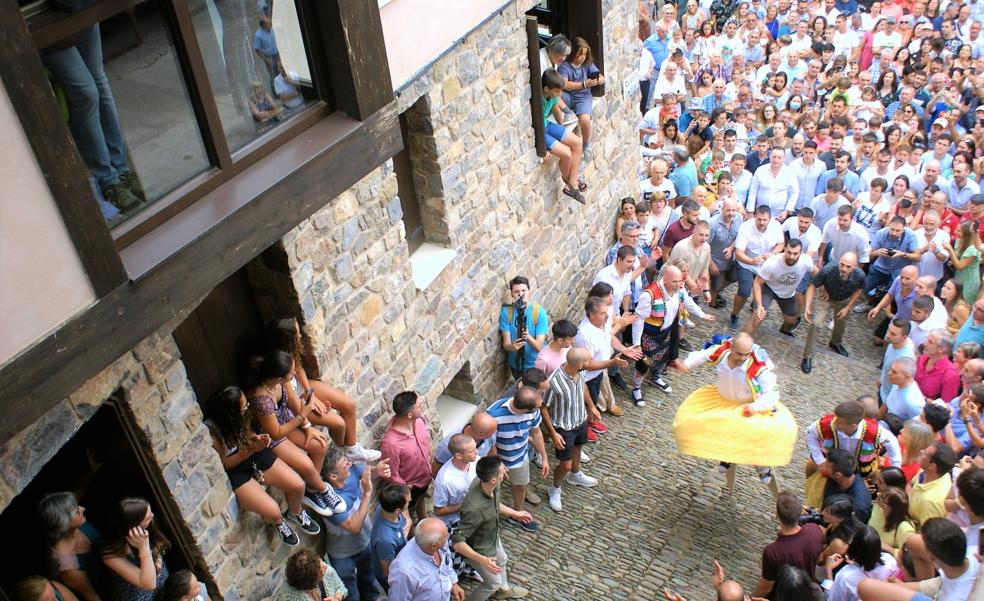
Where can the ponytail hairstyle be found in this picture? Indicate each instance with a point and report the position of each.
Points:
(272, 365)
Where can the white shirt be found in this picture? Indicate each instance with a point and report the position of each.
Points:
(850, 443)
(952, 589)
(845, 43)
(780, 192)
(871, 173)
(756, 243)
(930, 263)
(867, 214)
(937, 320)
(622, 284)
(646, 189)
(854, 240)
(810, 238)
(807, 177)
(783, 278)
(598, 341)
(281, 87)
(665, 86)
(450, 487)
(845, 586)
(732, 382)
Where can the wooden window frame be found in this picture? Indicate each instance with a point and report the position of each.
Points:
(574, 18)
(403, 166)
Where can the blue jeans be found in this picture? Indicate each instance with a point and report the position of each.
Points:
(92, 114)
(358, 575)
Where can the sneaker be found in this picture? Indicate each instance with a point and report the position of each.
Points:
(598, 427)
(689, 324)
(587, 155)
(764, 474)
(637, 397)
(685, 345)
(799, 320)
(132, 183)
(121, 197)
(287, 534)
(531, 527)
(723, 467)
(584, 457)
(535, 459)
(359, 454)
(304, 522)
(581, 479)
(553, 499)
(660, 383)
(592, 436)
(316, 501)
(334, 501)
(720, 303)
(513, 592)
(733, 322)
(830, 324)
(863, 308)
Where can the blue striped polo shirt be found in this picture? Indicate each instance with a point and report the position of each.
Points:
(513, 433)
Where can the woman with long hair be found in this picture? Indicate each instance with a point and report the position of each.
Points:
(818, 28)
(793, 584)
(957, 309)
(864, 559)
(72, 541)
(580, 76)
(964, 58)
(772, 20)
(249, 463)
(284, 334)
(704, 85)
(887, 87)
(134, 552)
(914, 439)
(39, 588)
(965, 258)
(626, 212)
(766, 119)
(890, 518)
(838, 512)
(900, 185)
(694, 16)
(292, 437)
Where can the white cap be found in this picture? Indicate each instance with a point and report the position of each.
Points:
(942, 123)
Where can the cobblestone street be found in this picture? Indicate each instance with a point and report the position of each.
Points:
(658, 519)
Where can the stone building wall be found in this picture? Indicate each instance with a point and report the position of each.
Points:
(346, 271)
(485, 194)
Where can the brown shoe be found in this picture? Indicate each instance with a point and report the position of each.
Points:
(615, 411)
(532, 498)
(130, 180)
(122, 198)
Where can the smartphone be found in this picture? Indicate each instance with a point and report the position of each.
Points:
(593, 74)
(980, 542)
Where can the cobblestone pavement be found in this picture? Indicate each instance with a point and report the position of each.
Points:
(659, 519)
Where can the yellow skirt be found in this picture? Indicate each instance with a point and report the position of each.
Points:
(708, 426)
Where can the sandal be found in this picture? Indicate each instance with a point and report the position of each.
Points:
(581, 185)
(575, 194)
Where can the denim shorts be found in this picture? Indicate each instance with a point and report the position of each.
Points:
(745, 279)
(553, 133)
(579, 102)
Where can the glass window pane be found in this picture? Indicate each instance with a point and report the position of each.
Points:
(125, 100)
(256, 63)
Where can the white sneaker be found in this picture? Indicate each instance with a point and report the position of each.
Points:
(584, 457)
(830, 324)
(536, 460)
(359, 454)
(862, 308)
(764, 474)
(553, 499)
(581, 479)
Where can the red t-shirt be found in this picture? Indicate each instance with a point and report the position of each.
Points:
(675, 233)
(800, 550)
(980, 224)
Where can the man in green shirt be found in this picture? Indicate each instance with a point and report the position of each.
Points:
(477, 536)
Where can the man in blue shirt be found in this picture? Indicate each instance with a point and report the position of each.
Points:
(684, 175)
(521, 354)
(852, 181)
(265, 47)
(390, 527)
(893, 247)
(349, 532)
(973, 329)
(657, 44)
(971, 373)
(423, 570)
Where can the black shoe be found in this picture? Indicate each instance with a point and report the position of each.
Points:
(617, 381)
(317, 502)
(530, 527)
(839, 349)
(720, 303)
(684, 345)
(287, 534)
(788, 332)
(796, 325)
(807, 365)
(304, 522)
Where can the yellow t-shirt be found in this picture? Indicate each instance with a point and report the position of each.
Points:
(926, 499)
(895, 538)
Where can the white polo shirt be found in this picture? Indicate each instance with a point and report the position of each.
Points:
(756, 243)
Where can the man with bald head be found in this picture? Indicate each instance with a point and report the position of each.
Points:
(840, 285)
(565, 411)
(740, 419)
(422, 571)
(897, 302)
(481, 429)
(931, 175)
(661, 307)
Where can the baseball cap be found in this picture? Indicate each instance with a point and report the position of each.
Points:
(695, 105)
(980, 107)
(890, 20)
(977, 199)
(942, 123)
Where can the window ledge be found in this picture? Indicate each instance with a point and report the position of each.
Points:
(427, 262)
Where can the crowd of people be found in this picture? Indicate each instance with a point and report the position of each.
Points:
(821, 156)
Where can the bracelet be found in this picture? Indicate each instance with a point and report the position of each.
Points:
(305, 425)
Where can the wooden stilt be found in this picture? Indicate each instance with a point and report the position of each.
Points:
(730, 477)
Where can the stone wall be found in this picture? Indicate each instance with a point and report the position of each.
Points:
(485, 194)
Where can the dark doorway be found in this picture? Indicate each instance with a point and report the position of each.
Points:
(214, 340)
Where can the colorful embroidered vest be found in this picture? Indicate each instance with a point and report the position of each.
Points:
(755, 366)
(868, 448)
(657, 312)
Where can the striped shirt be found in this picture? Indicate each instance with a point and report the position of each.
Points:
(513, 432)
(565, 400)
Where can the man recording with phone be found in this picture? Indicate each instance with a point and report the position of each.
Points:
(892, 248)
(523, 326)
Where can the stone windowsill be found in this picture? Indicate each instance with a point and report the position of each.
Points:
(427, 262)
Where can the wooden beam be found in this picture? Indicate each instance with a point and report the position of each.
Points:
(536, 85)
(37, 379)
(23, 77)
(353, 35)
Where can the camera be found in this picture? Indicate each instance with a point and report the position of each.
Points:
(811, 516)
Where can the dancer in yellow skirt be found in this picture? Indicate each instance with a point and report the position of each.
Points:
(740, 419)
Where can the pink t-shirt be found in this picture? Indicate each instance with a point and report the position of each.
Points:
(549, 361)
(409, 455)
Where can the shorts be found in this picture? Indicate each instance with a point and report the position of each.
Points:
(787, 305)
(579, 102)
(725, 277)
(572, 438)
(745, 279)
(804, 284)
(417, 493)
(241, 474)
(594, 388)
(920, 597)
(553, 133)
(520, 475)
